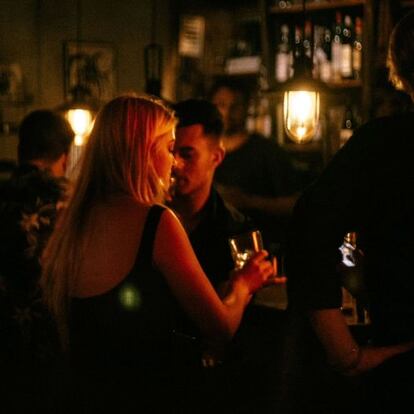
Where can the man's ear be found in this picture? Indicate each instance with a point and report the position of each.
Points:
(65, 161)
(218, 155)
(58, 167)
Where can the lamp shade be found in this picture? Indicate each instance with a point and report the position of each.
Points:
(301, 106)
(80, 112)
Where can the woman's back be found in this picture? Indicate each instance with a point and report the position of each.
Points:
(121, 337)
(115, 277)
(122, 301)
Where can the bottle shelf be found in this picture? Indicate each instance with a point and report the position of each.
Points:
(344, 84)
(316, 6)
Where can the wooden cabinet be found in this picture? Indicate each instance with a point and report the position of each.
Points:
(346, 91)
(230, 21)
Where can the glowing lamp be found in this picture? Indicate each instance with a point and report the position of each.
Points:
(302, 93)
(81, 122)
(301, 114)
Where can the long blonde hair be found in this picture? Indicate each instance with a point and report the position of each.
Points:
(118, 158)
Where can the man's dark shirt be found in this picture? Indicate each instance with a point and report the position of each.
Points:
(260, 167)
(29, 202)
(210, 238)
(367, 188)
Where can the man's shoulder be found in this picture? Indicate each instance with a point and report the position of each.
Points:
(388, 125)
(266, 147)
(229, 217)
(30, 189)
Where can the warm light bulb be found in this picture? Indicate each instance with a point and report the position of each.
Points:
(81, 123)
(301, 115)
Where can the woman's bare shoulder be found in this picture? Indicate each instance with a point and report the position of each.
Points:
(113, 240)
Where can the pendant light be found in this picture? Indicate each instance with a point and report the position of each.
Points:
(301, 102)
(80, 109)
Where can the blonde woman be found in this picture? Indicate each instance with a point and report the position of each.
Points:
(120, 275)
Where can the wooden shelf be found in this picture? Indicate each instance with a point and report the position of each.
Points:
(345, 84)
(313, 146)
(316, 6)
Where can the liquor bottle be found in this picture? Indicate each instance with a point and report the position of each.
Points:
(357, 49)
(251, 116)
(322, 54)
(302, 51)
(263, 118)
(336, 49)
(298, 50)
(307, 39)
(348, 126)
(283, 55)
(346, 48)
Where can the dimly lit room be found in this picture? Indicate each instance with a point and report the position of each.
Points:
(205, 206)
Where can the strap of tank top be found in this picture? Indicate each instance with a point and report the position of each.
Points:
(148, 235)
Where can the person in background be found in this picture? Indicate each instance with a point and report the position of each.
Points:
(256, 176)
(30, 201)
(368, 189)
(120, 274)
(210, 221)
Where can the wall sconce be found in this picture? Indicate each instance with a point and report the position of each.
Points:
(81, 122)
(80, 114)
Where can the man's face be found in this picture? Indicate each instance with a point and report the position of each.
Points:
(232, 108)
(196, 158)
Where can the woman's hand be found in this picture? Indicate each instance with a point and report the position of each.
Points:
(256, 272)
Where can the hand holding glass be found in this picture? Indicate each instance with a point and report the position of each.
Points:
(244, 246)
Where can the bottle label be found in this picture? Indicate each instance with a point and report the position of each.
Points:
(356, 60)
(325, 71)
(346, 61)
(282, 67)
(336, 60)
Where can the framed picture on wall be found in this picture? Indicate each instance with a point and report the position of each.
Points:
(11, 82)
(89, 67)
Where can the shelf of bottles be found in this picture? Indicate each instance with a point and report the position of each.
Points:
(337, 46)
(331, 35)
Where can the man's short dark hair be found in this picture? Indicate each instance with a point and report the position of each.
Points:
(43, 135)
(236, 85)
(199, 111)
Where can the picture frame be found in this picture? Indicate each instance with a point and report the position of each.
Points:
(89, 66)
(11, 82)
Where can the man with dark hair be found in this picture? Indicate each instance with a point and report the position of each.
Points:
(29, 203)
(208, 220)
(44, 141)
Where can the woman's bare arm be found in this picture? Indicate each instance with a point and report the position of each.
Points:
(215, 317)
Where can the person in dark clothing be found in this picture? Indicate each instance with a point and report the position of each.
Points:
(124, 264)
(367, 189)
(210, 221)
(256, 175)
(30, 201)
